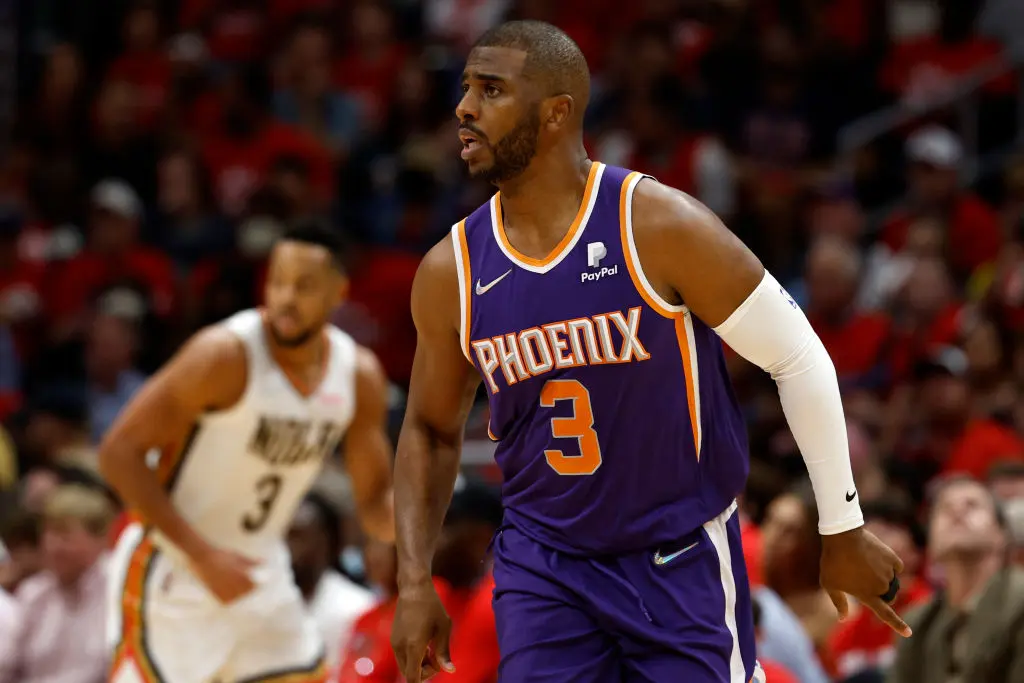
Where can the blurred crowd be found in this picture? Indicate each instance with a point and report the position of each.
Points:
(159, 147)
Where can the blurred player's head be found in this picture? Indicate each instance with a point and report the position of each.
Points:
(305, 282)
(525, 89)
(473, 516)
(314, 540)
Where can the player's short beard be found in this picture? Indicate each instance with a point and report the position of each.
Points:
(513, 153)
(294, 341)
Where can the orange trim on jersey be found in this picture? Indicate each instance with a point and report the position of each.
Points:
(684, 351)
(132, 646)
(168, 468)
(491, 435)
(467, 287)
(634, 268)
(577, 224)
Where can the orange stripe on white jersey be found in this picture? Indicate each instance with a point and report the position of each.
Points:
(465, 284)
(131, 650)
(678, 313)
(572, 236)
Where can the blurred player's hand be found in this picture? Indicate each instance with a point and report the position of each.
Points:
(857, 563)
(420, 634)
(225, 573)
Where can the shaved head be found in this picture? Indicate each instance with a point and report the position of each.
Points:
(554, 62)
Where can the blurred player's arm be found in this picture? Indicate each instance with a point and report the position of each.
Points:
(208, 373)
(690, 256)
(368, 449)
(440, 396)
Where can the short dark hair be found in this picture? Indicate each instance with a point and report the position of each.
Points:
(897, 512)
(320, 234)
(553, 59)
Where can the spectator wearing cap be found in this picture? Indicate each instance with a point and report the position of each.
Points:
(62, 633)
(110, 353)
(970, 228)
(863, 645)
(113, 257)
(955, 439)
(971, 631)
(315, 542)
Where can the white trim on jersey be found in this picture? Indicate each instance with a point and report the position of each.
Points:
(644, 282)
(464, 285)
(718, 532)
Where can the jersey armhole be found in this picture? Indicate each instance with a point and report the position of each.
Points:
(636, 271)
(461, 248)
(243, 398)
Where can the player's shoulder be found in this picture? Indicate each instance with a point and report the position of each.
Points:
(435, 289)
(658, 207)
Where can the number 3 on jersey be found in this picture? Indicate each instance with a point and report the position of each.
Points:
(267, 489)
(580, 427)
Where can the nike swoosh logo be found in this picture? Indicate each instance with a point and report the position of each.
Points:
(481, 290)
(851, 496)
(665, 559)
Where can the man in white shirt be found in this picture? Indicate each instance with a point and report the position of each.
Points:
(335, 602)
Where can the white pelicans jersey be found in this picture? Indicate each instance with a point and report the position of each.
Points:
(243, 471)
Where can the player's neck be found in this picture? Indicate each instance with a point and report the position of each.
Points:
(308, 353)
(553, 186)
(966, 577)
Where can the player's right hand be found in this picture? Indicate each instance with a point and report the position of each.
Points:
(225, 573)
(420, 634)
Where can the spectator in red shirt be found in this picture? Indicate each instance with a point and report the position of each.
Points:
(144, 63)
(927, 317)
(957, 440)
(242, 143)
(862, 643)
(21, 289)
(972, 231)
(369, 70)
(112, 257)
(856, 341)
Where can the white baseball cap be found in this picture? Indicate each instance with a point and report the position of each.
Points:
(936, 146)
(118, 197)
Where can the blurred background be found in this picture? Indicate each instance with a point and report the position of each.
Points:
(871, 152)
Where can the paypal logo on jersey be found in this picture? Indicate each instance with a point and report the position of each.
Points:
(595, 252)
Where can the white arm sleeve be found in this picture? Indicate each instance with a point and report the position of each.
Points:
(770, 330)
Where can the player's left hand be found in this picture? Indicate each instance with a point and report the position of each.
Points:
(857, 563)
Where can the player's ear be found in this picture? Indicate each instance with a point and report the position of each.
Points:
(557, 111)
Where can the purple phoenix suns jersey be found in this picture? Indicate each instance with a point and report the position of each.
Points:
(615, 419)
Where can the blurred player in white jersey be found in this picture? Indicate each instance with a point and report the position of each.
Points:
(242, 417)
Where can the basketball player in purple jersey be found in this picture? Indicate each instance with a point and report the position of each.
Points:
(590, 300)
